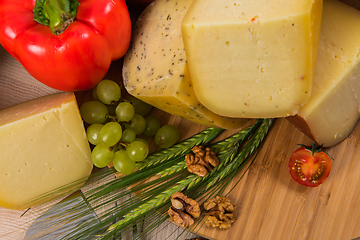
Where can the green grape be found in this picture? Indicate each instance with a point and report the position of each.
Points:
(152, 126)
(110, 133)
(167, 136)
(122, 163)
(124, 112)
(101, 155)
(93, 132)
(140, 107)
(128, 135)
(142, 140)
(94, 112)
(137, 151)
(108, 92)
(137, 124)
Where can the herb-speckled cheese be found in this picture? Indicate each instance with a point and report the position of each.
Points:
(333, 108)
(252, 58)
(155, 67)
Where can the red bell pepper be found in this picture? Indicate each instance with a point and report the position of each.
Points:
(65, 44)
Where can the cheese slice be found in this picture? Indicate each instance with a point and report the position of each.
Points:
(155, 69)
(333, 108)
(252, 59)
(43, 146)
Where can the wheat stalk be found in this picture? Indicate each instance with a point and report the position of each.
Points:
(181, 148)
(225, 148)
(155, 202)
(152, 196)
(259, 131)
(224, 168)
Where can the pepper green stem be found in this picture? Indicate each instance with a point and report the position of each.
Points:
(57, 14)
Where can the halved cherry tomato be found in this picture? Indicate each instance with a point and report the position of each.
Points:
(310, 166)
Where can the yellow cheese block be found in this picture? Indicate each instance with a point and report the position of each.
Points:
(43, 146)
(155, 68)
(333, 109)
(252, 59)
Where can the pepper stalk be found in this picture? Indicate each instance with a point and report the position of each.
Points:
(57, 14)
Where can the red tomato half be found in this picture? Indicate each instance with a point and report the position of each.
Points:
(310, 166)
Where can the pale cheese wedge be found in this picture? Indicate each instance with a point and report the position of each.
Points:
(43, 147)
(252, 59)
(333, 109)
(155, 69)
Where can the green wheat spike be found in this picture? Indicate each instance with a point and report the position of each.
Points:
(168, 164)
(181, 148)
(173, 169)
(247, 151)
(226, 148)
(187, 183)
(153, 203)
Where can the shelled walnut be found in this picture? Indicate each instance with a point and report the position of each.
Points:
(220, 212)
(201, 161)
(183, 210)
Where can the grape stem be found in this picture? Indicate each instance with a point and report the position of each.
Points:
(113, 118)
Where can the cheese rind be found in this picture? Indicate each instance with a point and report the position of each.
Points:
(252, 58)
(43, 147)
(155, 69)
(333, 108)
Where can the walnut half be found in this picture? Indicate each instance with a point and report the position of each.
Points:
(183, 210)
(201, 161)
(220, 212)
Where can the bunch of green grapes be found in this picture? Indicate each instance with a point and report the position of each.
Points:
(116, 125)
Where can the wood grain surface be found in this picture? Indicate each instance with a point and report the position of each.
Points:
(270, 205)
